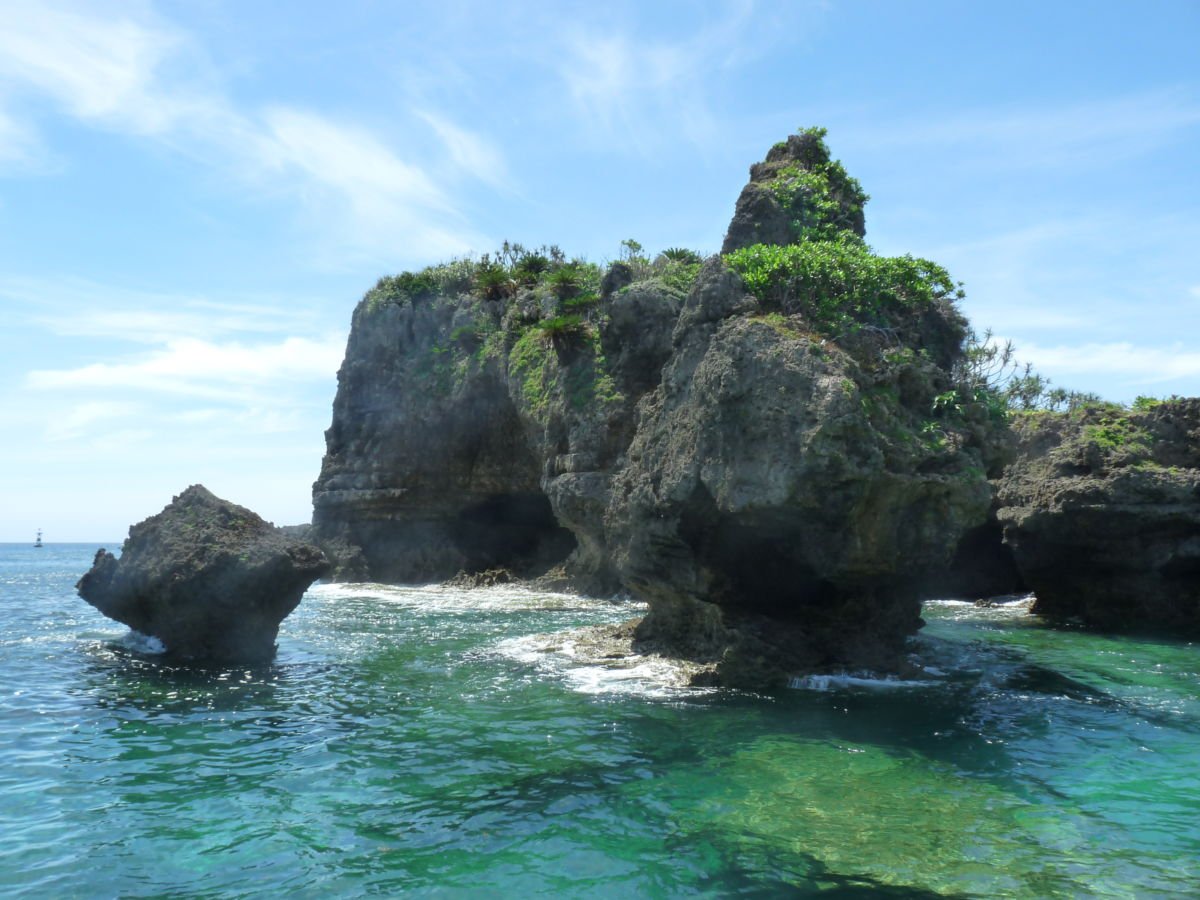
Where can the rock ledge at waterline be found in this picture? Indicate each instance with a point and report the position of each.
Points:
(210, 579)
(1101, 508)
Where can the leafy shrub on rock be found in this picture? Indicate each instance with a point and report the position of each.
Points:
(840, 286)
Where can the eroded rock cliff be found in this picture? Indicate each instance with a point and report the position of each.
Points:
(770, 446)
(1101, 508)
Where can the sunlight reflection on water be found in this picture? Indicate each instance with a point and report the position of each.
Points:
(430, 740)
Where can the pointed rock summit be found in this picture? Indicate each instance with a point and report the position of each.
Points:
(797, 193)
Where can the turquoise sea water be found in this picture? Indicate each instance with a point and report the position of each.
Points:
(423, 742)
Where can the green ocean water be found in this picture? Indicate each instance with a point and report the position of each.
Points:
(423, 742)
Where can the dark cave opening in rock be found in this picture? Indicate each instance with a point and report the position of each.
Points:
(511, 531)
(983, 566)
(755, 561)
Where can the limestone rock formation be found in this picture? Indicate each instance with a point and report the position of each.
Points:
(1101, 509)
(768, 446)
(210, 579)
(796, 190)
(780, 502)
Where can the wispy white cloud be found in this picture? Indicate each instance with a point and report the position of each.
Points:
(640, 93)
(377, 200)
(344, 157)
(230, 372)
(1088, 275)
(172, 364)
(98, 64)
(120, 68)
(81, 418)
(18, 144)
(1133, 363)
(78, 307)
(121, 441)
(635, 91)
(156, 326)
(471, 153)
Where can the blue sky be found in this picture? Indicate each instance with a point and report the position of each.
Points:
(194, 195)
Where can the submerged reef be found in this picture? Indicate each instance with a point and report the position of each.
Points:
(210, 579)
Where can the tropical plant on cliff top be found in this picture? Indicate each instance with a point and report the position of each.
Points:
(990, 367)
(676, 267)
(820, 198)
(828, 274)
(840, 285)
(831, 278)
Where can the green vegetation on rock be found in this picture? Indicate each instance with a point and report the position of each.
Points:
(839, 285)
(782, 325)
(560, 360)
(536, 312)
(675, 267)
(532, 362)
(824, 271)
(1114, 432)
(821, 200)
(497, 276)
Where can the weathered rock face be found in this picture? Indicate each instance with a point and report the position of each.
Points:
(208, 578)
(465, 438)
(779, 502)
(1102, 511)
(428, 470)
(774, 488)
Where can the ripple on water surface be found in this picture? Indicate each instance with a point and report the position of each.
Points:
(430, 740)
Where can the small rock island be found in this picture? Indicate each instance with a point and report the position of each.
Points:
(210, 579)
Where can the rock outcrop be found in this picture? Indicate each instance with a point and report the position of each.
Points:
(795, 193)
(780, 502)
(208, 578)
(768, 446)
(1101, 510)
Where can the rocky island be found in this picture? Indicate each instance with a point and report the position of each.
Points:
(779, 448)
(210, 579)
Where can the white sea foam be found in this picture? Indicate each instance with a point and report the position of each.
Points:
(570, 656)
(145, 644)
(841, 681)
(451, 599)
(632, 675)
(1008, 606)
(1004, 601)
